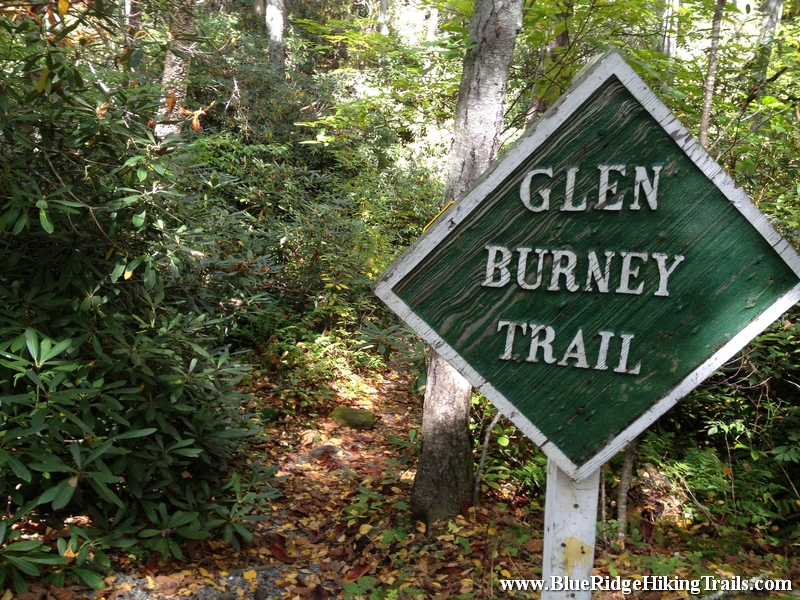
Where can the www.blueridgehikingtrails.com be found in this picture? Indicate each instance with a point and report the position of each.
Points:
(648, 583)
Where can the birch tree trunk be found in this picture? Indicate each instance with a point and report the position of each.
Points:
(771, 11)
(708, 94)
(445, 470)
(669, 39)
(272, 15)
(275, 19)
(176, 66)
(383, 17)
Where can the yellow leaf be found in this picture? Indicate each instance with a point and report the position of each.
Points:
(42, 80)
(505, 574)
(364, 529)
(63, 7)
(70, 554)
(140, 34)
(7, 595)
(420, 526)
(203, 572)
(127, 274)
(251, 574)
(151, 583)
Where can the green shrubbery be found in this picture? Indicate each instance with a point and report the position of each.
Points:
(117, 390)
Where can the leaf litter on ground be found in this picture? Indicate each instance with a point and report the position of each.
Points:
(341, 529)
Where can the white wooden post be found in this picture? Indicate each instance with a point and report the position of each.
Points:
(570, 525)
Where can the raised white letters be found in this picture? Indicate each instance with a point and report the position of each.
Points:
(525, 190)
(564, 263)
(628, 273)
(544, 343)
(568, 205)
(601, 279)
(609, 179)
(663, 272)
(495, 265)
(634, 274)
(522, 268)
(543, 337)
(607, 188)
(650, 191)
(512, 328)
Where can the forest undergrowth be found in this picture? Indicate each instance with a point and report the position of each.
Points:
(339, 526)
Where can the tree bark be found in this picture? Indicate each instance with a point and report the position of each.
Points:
(622, 493)
(445, 471)
(275, 21)
(383, 18)
(176, 66)
(771, 11)
(669, 39)
(708, 95)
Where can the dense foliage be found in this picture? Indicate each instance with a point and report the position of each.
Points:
(134, 271)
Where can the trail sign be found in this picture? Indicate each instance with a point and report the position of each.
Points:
(601, 270)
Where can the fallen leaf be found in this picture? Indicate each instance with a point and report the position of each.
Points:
(168, 585)
(319, 593)
(261, 593)
(251, 574)
(534, 546)
(357, 572)
(60, 593)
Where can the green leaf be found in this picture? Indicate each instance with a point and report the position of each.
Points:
(136, 433)
(139, 217)
(25, 546)
(149, 277)
(64, 494)
(23, 565)
(45, 221)
(90, 578)
(32, 341)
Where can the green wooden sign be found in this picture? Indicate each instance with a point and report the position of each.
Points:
(601, 270)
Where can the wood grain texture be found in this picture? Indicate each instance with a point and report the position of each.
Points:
(736, 275)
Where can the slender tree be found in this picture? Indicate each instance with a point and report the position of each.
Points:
(272, 14)
(445, 471)
(177, 62)
(669, 37)
(771, 11)
(711, 74)
(383, 18)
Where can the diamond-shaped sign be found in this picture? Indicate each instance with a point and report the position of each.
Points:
(601, 270)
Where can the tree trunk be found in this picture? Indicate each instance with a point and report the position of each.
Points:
(711, 75)
(771, 11)
(445, 470)
(669, 39)
(176, 66)
(383, 18)
(275, 21)
(555, 48)
(622, 494)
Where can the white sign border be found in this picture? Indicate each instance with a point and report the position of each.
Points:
(594, 76)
